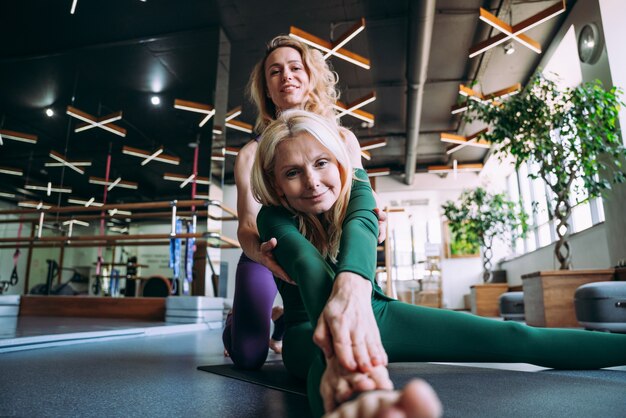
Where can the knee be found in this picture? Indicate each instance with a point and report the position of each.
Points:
(250, 359)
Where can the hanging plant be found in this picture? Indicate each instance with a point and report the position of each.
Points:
(570, 135)
(480, 217)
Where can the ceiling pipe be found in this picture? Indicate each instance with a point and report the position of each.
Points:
(421, 19)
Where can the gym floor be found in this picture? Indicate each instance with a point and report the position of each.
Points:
(73, 367)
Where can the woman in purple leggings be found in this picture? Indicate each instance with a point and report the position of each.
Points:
(291, 75)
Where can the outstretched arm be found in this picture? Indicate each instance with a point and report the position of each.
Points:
(247, 209)
(347, 327)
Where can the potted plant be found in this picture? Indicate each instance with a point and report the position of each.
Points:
(480, 216)
(571, 136)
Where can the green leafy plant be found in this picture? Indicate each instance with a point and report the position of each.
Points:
(480, 217)
(570, 135)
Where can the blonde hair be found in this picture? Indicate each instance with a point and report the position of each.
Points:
(323, 231)
(322, 93)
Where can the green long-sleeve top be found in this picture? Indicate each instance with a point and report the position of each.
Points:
(357, 251)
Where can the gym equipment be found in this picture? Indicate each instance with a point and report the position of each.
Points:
(512, 306)
(195, 309)
(157, 287)
(601, 306)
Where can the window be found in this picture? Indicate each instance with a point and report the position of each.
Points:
(535, 196)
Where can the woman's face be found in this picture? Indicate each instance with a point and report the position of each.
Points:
(307, 174)
(287, 80)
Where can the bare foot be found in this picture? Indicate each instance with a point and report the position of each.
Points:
(338, 384)
(276, 346)
(277, 311)
(416, 400)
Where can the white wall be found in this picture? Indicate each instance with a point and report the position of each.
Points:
(457, 276)
(614, 29)
(589, 250)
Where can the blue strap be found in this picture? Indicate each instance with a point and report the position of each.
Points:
(175, 251)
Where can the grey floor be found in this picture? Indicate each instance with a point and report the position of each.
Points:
(76, 367)
(128, 369)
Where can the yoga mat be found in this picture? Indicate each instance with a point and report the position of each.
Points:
(480, 392)
(272, 375)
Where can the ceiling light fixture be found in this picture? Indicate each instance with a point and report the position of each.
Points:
(509, 48)
(231, 151)
(34, 204)
(374, 143)
(442, 169)
(149, 156)
(86, 203)
(73, 9)
(11, 171)
(239, 125)
(64, 161)
(236, 124)
(334, 48)
(376, 172)
(115, 211)
(353, 109)
(71, 223)
(205, 109)
(492, 98)
(186, 179)
(515, 32)
(48, 188)
(459, 108)
(9, 195)
(115, 183)
(118, 183)
(155, 100)
(233, 113)
(49, 112)
(103, 122)
(464, 141)
(218, 156)
(18, 136)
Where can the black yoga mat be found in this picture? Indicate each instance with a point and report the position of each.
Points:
(272, 375)
(479, 392)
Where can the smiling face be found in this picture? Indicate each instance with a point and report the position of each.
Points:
(287, 79)
(307, 174)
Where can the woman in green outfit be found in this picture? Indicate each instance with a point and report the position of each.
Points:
(313, 203)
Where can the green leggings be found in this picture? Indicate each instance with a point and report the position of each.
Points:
(421, 334)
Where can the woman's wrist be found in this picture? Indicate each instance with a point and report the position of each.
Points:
(353, 283)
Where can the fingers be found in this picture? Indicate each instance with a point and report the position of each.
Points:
(375, 348)
(327, 392)
(322, 337)
(268, 246)
(361, 353)
(281, 274)
(380, 377)
(268, 260)
(344, 351)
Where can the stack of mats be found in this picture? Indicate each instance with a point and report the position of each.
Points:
(195, 310)
(9, 309)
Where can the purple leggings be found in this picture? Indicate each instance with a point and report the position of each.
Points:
(247, 331)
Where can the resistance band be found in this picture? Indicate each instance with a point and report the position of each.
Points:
(175, 248)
